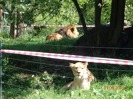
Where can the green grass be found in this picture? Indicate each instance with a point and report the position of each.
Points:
(39, 45)
(99, 90)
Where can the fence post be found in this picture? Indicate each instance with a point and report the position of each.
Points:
(0, 71)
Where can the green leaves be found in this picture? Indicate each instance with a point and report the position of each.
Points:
(82, 2)
(60, 11)
(2, 4)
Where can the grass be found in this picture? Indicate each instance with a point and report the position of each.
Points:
(39, 45)
(120, 88)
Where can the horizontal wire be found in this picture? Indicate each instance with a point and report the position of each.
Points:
(54, 72)
(88, 47)
(14, 85)
(38, 62)
(64, 76)
(35, 71)
(25, 69)
(69, 67)
(23, 87)
(121, 70)
(56, 75)
(91, 47)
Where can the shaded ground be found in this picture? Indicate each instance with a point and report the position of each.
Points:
(86, 45)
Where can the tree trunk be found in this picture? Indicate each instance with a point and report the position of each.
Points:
(80, 15)
(116, 21)
(12, 25)
(19, 23)
(112, 20)
(12, 30)
(120, 22)
(0, 19)
(98, 8)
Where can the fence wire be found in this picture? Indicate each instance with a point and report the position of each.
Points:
(92, 47)
(54, 65)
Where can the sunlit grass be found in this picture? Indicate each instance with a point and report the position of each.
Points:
(121, 88)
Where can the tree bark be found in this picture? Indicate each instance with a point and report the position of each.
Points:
(116, 21)
(120, 22)
(80, 15)
(98, 9)
(12, 30)
(112, 20)
(0, 19)
(19, 23)
(12, 25)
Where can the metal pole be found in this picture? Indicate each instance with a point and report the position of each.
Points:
(0, 71)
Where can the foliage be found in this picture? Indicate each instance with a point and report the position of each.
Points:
(117, 88)
(129, 12)
(28, 9)
(16, 78)
(32, 9)
(106, 11)
(6, 66)
(60, 11)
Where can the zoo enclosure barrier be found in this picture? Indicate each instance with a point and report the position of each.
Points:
(62, 57)
(25, 26)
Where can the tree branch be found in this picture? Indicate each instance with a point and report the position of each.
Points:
(80, 15)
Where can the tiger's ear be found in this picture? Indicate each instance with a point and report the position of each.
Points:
(85, 63)
(71, 64)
